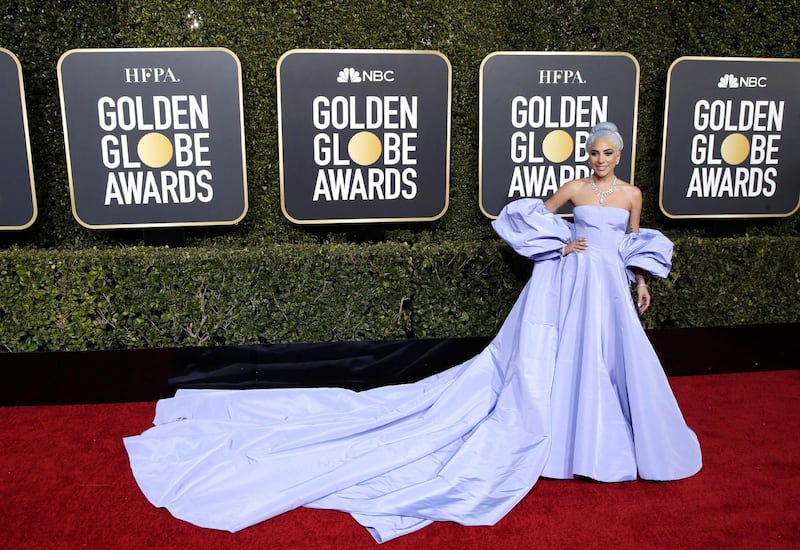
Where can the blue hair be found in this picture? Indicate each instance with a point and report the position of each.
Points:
(606, 130)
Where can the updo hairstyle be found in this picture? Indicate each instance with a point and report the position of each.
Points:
(605, 130)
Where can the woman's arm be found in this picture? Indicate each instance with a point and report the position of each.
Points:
(642, 292)
(560, 197)
(564, 194)
(636, 209)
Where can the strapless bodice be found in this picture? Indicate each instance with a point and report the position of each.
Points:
(603, 227)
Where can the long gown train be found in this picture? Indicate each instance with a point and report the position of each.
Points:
(569, 386)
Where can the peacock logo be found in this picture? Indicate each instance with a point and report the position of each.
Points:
(728, 81)
(348, 74)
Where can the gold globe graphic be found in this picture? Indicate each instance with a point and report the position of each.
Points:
(155, 150)
(557, 146)
(364, 148)
(735, 149)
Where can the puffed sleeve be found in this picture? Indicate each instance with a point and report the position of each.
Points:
(532, 230)
(648, 250)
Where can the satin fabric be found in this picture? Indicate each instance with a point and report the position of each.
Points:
(569, 386)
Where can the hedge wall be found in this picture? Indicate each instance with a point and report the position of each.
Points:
(64, 287)
(158, 297)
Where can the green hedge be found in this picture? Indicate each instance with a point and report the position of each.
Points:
(143, 297)
(748, 280)
(64, 287)
(159, 297)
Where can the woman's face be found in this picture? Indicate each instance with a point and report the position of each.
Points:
(603, 156)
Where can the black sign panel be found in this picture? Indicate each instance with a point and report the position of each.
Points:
(154, 137)
(731, 136)
(364, 135)
(17, 195)
(537, 109)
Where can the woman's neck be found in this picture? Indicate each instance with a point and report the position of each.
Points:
(605, 180)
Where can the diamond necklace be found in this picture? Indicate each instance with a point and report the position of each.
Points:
(601, 195)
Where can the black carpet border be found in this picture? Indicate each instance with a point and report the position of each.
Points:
(113, 376)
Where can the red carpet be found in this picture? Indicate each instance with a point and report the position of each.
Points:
(66, 484)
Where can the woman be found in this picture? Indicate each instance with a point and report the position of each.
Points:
(570, 386)
(613, 414)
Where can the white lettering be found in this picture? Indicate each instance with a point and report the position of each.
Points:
(178, 112)
(387, 112)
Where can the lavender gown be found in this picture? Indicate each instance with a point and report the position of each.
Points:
(569, 386)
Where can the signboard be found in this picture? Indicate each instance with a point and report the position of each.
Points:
(536, 111)
(154, 137)
(364, 135)
(17, 195)
(731, 136)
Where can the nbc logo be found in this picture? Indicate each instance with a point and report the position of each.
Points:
(728, 81)
(731, 81)
(351, 75)
(348, 74)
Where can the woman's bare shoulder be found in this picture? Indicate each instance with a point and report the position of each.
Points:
(577, 184)
(628, 188)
